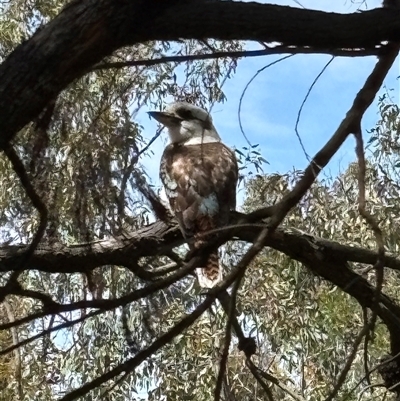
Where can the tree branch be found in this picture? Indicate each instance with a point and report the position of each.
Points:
(327, 259)
(238, 54)
(158, 238)
(40, 68)
(106, 304)
(17, 353)
(131, 364)
(350, 125)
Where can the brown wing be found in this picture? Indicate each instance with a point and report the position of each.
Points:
(200, 183)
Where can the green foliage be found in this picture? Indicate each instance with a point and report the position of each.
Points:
(83, 162)
(6, 361)
(309, 324)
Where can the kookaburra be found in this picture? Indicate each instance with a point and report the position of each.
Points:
(200, 175)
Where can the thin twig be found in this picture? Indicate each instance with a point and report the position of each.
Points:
(375, 368)
(17, 353)
(367, 339)
(259, 379)
(46, 332)
(350, 124)
(228, 328)
(245, 90)
(349, 362)
(296, 127)
(147, 146)
(379, 265)
(102, 304)
(240, 54)
(160, 211)
(371, 221)
(130, 364)
(370, 387)
(277, 382)
(37, 202)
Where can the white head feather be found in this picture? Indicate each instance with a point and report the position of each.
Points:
(187, 124)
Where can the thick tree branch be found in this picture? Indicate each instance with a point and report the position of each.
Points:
(325, 258)
(158, 238)
(130, 365)
(86, 31)
(153, 240)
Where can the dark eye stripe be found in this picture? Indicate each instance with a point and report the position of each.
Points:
(187, 115)
(184, 114)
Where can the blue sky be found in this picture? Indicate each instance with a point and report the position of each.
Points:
(272, 102)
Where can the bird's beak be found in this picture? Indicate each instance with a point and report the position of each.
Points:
(164, 118)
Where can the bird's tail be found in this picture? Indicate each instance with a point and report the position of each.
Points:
(211, 273)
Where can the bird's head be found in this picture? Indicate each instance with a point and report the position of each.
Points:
(187, 124)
